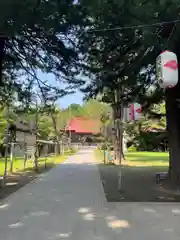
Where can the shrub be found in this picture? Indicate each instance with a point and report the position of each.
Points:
(148, 141)
(132, 149)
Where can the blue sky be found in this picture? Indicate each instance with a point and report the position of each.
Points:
(73, 98)
(67, 100)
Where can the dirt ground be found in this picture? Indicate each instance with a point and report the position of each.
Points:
(138, 184)
(19, 179)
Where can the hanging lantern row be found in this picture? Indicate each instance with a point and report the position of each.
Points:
(167, 77)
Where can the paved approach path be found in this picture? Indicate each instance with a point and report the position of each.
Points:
(68, 203)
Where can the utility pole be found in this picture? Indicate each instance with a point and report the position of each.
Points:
(36, 137)
(70, 133)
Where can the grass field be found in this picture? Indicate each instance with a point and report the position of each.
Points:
(147, 159)
(138, 173)
(18, 164)
(141, 158)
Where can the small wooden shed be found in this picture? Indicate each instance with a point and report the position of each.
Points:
(22, 136)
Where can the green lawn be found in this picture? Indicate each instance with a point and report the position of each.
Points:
(141, 158)
(18, 164)
(147, 159)
(99, 155)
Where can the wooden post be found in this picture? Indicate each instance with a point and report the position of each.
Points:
(6, 165)
(25, 154)
(11, 157)
(104, 156)
(120, 180)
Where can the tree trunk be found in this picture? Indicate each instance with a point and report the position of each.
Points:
(36, 167)
(2, 150)
(173, 130)
(120, 136)
(114, 132)
(173, 125)
(117, 109)
(117, 143)
(122, 150)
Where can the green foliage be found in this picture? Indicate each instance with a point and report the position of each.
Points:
(6, 118)
(3, 125)
(105, 146)
(145, 133)
(132, 149)
(75, 110)
(113, 55)
(51, 119)
(148, 141)
(44, 127)
(95, 109)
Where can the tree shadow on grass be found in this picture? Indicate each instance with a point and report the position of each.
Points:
(138, 184)
(14, 183)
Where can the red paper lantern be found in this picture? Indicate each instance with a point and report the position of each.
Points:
(167, 69)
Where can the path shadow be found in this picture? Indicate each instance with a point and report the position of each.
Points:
(19, 179)
(67, 204)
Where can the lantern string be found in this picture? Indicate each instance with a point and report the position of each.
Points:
(118, 28)
(133, 26)
(171, 35)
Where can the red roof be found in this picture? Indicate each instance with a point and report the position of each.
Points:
(84, 125)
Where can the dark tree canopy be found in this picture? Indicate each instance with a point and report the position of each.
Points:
(39, 35)
(117, 55)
